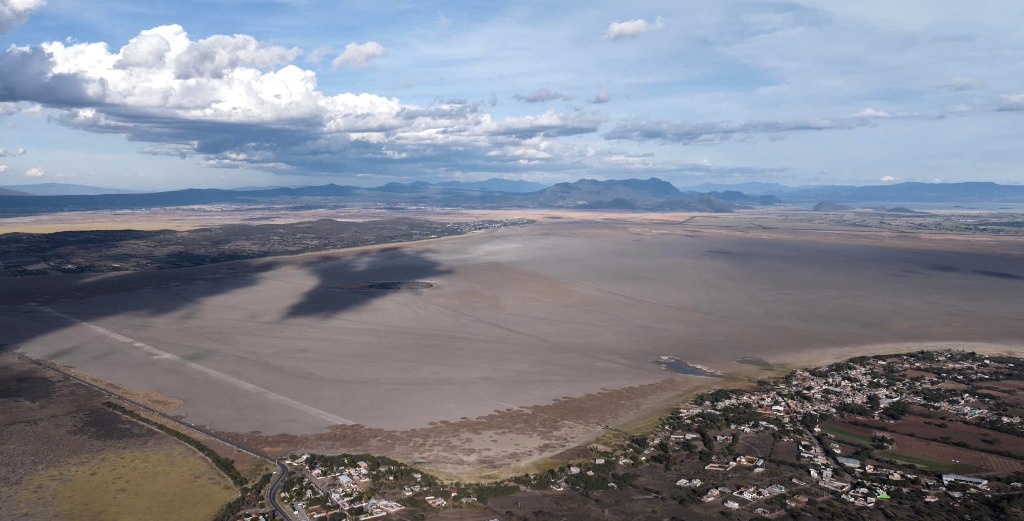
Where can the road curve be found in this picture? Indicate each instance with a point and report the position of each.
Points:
(275, 489)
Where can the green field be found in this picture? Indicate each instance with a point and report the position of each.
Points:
(838, 430)
(933, 465)
(166, 482)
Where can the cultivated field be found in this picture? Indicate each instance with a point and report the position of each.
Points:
(954, 432)
(909, 447)
(939, 457)
(529, 341)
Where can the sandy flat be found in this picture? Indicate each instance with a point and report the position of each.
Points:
(542, 334)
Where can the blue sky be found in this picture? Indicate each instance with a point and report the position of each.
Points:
(163, 95)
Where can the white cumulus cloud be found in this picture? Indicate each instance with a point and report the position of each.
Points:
(14, 12)
(634, 27)
(4, 168)
(236, 102)
(889, 179)
(34, 172)
(358, 55)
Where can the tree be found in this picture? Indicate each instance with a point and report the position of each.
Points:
(874, 402)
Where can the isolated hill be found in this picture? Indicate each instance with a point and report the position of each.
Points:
(913, 192)
(830, 206)
(901, 209)
(7, 191)
(63, 189)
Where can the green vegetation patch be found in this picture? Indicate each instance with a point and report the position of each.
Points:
(839, 430)
(934, 465)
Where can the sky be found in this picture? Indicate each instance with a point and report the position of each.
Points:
(228, 93)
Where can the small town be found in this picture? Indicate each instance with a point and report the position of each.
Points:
(927, 434)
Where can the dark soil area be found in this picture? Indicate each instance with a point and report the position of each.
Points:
(130, 250)
(107, 425)
(29, 388)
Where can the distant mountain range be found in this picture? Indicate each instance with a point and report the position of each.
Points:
(62, 189)
(629, 194)
(5, 191)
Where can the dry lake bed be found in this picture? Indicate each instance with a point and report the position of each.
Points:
(481, 353)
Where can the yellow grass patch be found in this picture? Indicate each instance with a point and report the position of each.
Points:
(168, 481)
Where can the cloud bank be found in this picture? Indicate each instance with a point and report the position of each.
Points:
(237, 102)
(233, 101)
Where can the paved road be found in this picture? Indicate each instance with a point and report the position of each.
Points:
(275, 489)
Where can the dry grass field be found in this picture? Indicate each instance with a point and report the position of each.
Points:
(525, 342)
(168, 481)
(67, 458)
